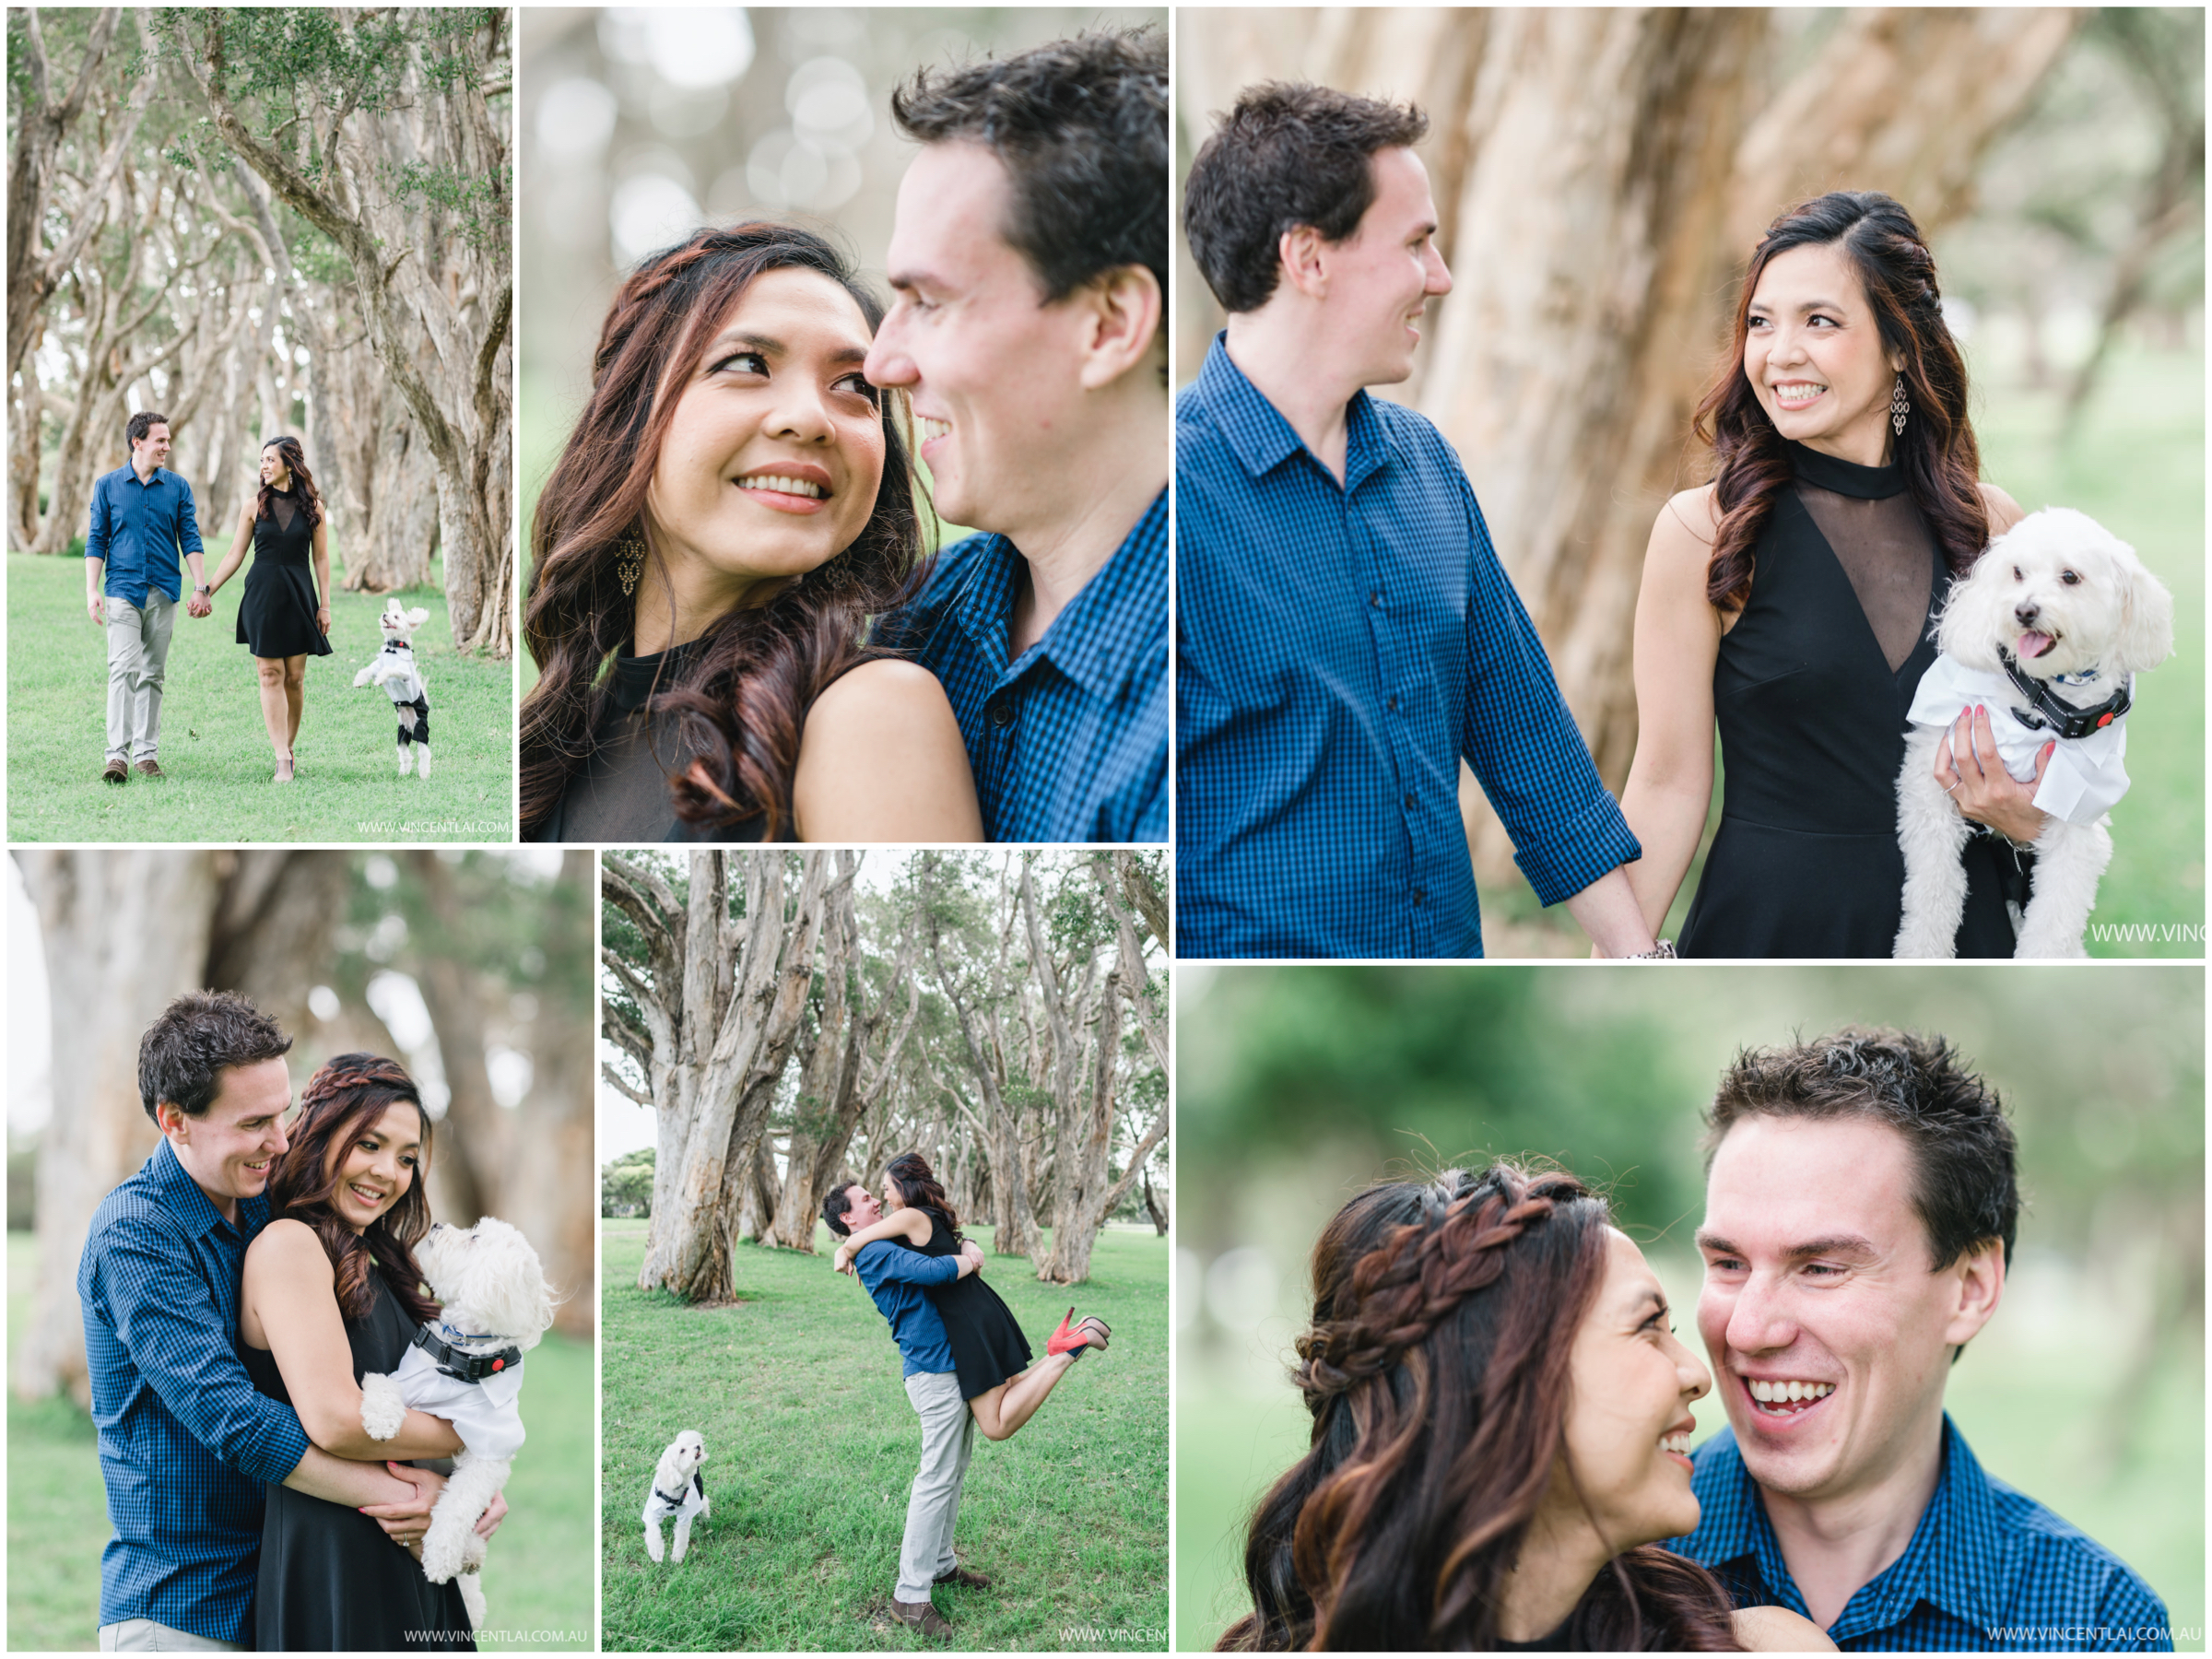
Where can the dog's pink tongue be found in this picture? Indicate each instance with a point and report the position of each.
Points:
(2034, 644)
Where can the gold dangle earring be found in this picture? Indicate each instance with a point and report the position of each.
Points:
(1898, 408)
(629, 561)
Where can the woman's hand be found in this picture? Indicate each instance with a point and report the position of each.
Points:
(1973, 775)
(842, 1260)
(405, 1521)
(322, 618)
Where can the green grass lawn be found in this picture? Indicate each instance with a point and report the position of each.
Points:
(2137, 467)
(2035, 1416)
(537, 1581)
(811, 1445)
(214, 747)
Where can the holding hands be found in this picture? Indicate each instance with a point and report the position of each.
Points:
(200, 603)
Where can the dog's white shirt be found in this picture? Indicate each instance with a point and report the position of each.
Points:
(2086, 775)
(405, 685)
(485, 1414)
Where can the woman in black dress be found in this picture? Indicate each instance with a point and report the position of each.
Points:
(989, 1355)
(1789, 600)
(331, 1292)
(280, 619)
(735, 506)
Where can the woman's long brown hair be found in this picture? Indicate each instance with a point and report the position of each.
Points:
(1936, 451)
(1436, 1372)
(919, 1189)
(303, 489)
(743, 698)
(340, 1103)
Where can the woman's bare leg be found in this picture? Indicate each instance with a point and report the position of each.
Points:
(1006, 1408)
(275, 713)
(295, 690)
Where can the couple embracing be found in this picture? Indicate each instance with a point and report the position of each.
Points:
(143, 522)
(738, 631)
(1502, 1411)
(234, 1291)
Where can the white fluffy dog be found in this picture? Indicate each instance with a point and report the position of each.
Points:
(2048, 631)
(394, 668)
(677, 1490)
(468, 1369)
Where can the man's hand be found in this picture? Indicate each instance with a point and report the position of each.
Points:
(97, 607)
(971, 1257)
(405, 1521)
(199, 604)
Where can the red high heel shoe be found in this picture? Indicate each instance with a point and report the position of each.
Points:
(1077, 1338)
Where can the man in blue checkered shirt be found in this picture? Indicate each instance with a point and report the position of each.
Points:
(1345, 634)
(1860, 1203)
(1029, 260)
(186, 1443)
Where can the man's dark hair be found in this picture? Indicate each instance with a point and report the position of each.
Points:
(1966, 1186)
(1081, 128)
(145, 421)
(1286, 155)
(835, 1205)
(181, 1056)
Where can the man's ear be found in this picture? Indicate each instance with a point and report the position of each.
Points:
(170, 1117)
(1124, 306)
(1305, 266)
(1980, 1280)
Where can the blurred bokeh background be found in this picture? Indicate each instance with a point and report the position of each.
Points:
(1297, 1088)
(2055, 157)
(470, 968)
(641, 124)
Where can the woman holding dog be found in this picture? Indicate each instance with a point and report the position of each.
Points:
(331, 1290)
(281, 620)
(1790, 601)
(1500, 1415)
(736, 504)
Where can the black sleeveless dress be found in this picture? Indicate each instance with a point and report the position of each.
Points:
(277, 618)
(986, 1340)
(330, 1581)
(1811, 691)
(620, 794)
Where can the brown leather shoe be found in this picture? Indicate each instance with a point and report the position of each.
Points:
(920, 1615)
(150, 767)
(966, 1577)
(117, 772)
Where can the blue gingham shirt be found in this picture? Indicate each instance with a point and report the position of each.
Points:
(898, 1278)
(1339, 648)
(185, 1442)
(1068, 742)
(141, 530)
(1989, 1570)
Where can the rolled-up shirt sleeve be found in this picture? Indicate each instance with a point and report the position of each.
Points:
(162, 1315)
(96, 527)
(1523, 744)
(188, 522)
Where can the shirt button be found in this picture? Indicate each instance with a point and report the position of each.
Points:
(1392, 704)
(1421, 895)
(1002, 714)
(1409, 802)
(1375, 598)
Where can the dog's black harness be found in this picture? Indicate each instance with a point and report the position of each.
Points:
(2053, 713)
(677, 1502)
(462, 1366)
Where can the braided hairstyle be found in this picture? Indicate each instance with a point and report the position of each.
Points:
(1938, 452)
(1436, 1372)
(742, 698)
(340, 1103)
